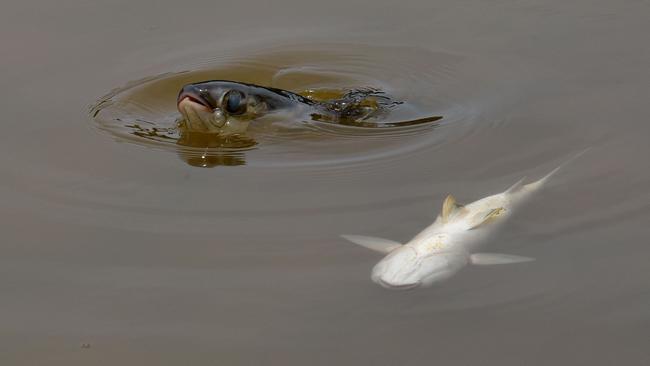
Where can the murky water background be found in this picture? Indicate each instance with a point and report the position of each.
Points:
(150, 260)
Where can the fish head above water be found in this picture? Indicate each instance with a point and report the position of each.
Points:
(227, 107)
(218, 107)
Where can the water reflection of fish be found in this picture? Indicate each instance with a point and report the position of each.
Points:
(209, 150)
(450, 243)
(227, 107)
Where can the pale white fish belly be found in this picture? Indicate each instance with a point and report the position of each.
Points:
(451, 242)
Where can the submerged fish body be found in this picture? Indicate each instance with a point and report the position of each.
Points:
(227, 107)
(450, 243)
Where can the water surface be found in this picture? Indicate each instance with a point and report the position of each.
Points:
(153, 261)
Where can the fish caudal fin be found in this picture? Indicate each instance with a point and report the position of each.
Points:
(380, 245)
(515, 187)
(538, 184)
(489, 259)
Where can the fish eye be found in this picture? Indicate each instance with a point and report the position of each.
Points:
(234, 102)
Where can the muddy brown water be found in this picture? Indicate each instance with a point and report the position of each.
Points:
(117, 252)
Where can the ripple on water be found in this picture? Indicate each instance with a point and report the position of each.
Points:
(144, 111)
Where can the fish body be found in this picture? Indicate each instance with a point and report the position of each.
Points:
(451, 242)
(228, 107)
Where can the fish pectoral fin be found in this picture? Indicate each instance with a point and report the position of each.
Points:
(488, 259)
(377, 244)
(488, 217)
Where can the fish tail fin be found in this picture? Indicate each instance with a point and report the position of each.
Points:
(539, 183)
(517, 186)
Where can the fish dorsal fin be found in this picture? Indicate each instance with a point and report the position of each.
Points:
(450, 208)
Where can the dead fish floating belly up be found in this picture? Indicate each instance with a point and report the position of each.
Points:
(228, 107)
(451, 242)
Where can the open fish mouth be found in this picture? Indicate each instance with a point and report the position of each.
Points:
(191, 94)
(199, 117)
(192, 99)
(199, 111)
